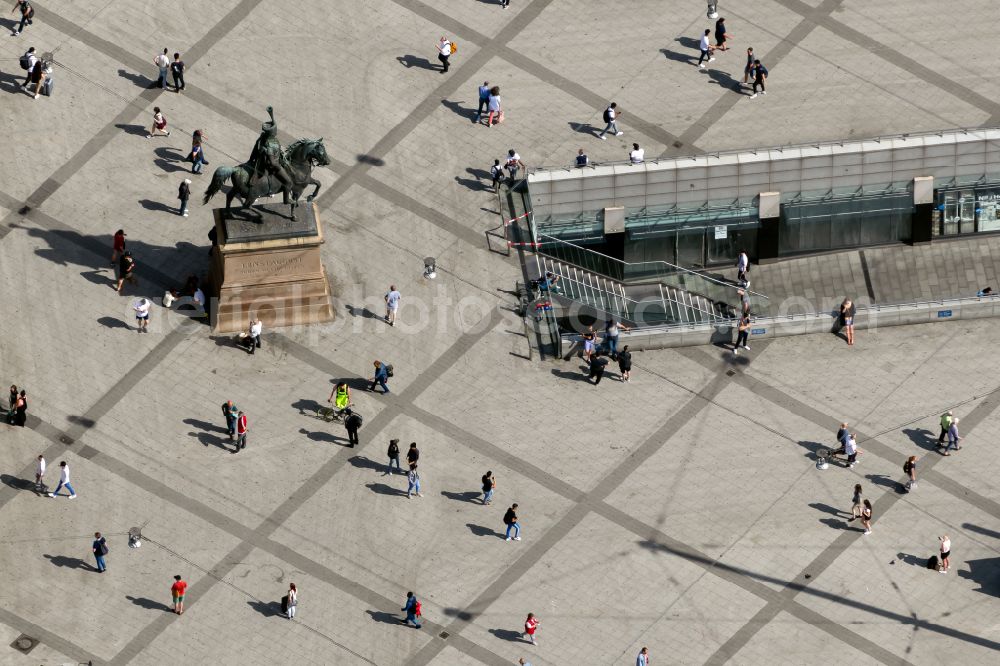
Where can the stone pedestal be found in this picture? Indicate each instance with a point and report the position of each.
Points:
(269, 266)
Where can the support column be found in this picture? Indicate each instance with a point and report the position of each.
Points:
(769, 214)
(922, 229)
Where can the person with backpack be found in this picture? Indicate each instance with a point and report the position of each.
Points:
(159, 124)
(177, 71)
(27, 14)
(496, 171)
(27, 62)
(393, 453)
(100, 548)
(610, 117)
(581, 159)
(412, 609)
(381, 375)
(510, 520)
(445, 49)
(352, 421)
(162, 62)
(910, 469)
(759, 77)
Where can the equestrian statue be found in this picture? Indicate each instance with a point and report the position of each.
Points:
(271, 170)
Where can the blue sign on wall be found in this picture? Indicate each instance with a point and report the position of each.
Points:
(758, 331)
(944, 313)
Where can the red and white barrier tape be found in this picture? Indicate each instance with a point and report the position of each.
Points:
(513, 220)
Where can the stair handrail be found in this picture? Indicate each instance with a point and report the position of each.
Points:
(654, 261)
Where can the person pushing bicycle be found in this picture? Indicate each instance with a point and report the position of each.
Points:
(340, 396)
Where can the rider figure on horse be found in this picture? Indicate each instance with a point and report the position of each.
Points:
(267, 157)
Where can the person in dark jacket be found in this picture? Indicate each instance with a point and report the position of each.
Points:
(352, 421)
(381, 375)
(597, 364)
(393, 454)
(184, 193)
(126, 271)
(625, 363)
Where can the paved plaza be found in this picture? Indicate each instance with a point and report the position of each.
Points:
(682, 511)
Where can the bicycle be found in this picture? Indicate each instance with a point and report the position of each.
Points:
(331, 414)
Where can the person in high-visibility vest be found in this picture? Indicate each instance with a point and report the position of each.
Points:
(341, 397)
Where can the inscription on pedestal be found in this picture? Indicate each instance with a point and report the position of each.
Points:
(260, 266)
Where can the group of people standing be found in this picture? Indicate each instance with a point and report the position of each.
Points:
(753, 70)
(593, 353)
(17, 412)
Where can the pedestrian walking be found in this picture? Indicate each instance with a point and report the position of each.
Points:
(866, 516)
(21, 409)
(393, 453)
(611, 114)
(504, 4)
(945, 424)
(910, 469)
(522, 662)
(162, 62)
(496, 171)
(856, 503)
(742, 333)
(530, 627)
(100, 548)
(126, 271)
(197, 155)
(513, 164)
(748, 69)
(352, 422)
(945, 553)
(27, 62)
(589, 341)
(847, 312)
(637, 154)
(381, 375)
(495, 107)
(177, 591)
(484, 100)
(445, 49)
(27, 15)
(141, 308)
(953, 436)
(581, 159)
(759, 77)
(851, 449)
(742, 268)
(597, 365)
(230, 413)
(510, 520)
(12, 402)
(64, 481)
(241, 432)
(159, 123)
(489, 485)
(293, 601)
(612, 330)
(413, 455)
(721, 35)
(40, 473)
(412, 609)
(391, 304)
(413, 479)
(118, 247)
(177, 72)
(184, 193)
(36, 77)
(643, 658)
(625, 363)
(706, 49)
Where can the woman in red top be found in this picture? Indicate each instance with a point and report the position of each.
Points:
(117, 246)
(177, 592)
(529, 628)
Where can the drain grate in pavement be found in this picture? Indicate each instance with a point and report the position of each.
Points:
(730, 372)
(65, 439)
(24, 643)
(444, 634)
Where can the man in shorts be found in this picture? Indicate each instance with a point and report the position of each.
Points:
(391, 304)
(177, 592)
(141, 308)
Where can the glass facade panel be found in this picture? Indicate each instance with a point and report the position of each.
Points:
(966, 210)
(844, 223)
(988, 209)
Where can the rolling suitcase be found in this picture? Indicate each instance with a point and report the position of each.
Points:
(47, 87)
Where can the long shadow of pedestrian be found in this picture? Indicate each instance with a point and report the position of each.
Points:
(11, 82)
(17, 483)
(482, 531)
(813, 448)
(726, 81)
(206, 426)
(826, 508)
(383, 617)
(689, 42)
(322, 436)
(266, 608)
(70, 562)
(306, 406)
(457, 108)
(584, 128)
(111, 322)
(362, 462)
(509, 635)
(468, 496)
(134, 130)
(836, 523)
(137, 79)
(481, 174)
(922, 437)
(563, 374)
(149, 604)
(885, 482)
(383, 489)
(207, 439)
(168, 166)
(686, 58)
(157, 206)
(906, 558)
(474, 185)
(415, 61)
(355, 311)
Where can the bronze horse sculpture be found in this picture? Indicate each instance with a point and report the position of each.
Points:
(298, 160)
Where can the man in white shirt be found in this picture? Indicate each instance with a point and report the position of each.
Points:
(637, 154)
(141, 308)
(40, 472)
(163, 62)
(391, 304)
(706, 49)
(610, 116)
(255, 329)
(64, 481)
(444, 50)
